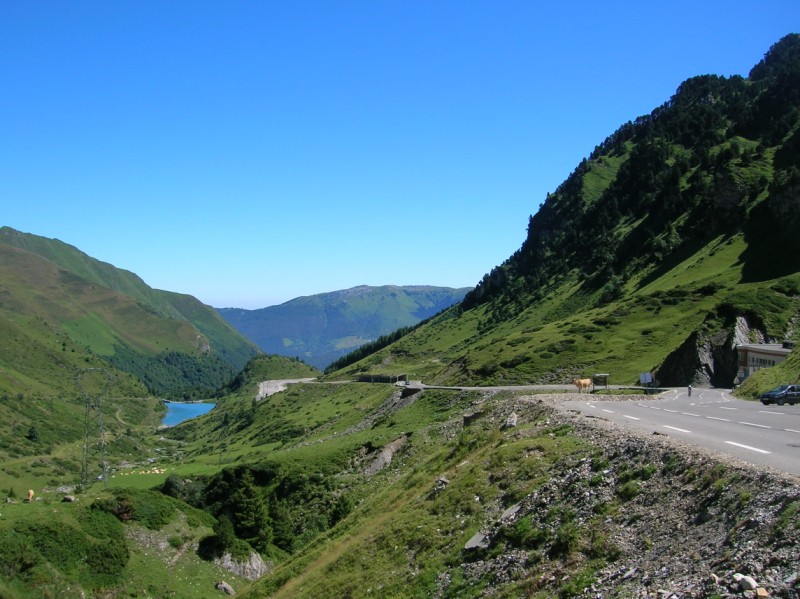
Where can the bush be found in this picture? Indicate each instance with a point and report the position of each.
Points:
(524, 535)
(628, 490)
(224, 541)
(105, 562)
(175, 541)
(566, 540)
(16, 555)
(72, 552)
(149, 508)
(99, 524)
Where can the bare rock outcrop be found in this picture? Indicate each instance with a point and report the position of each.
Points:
(708, 357)
(384, 456)
(253, 568)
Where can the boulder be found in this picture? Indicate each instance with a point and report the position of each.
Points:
(511, 421)
(225, 588)
(478, 541)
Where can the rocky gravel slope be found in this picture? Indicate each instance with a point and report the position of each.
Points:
(662, 519)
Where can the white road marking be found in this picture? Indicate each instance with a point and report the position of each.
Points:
(791, 430)
(671, 411)
(715, 418)
(747, 447)
(688, 414)
(681, 430)
(725, 408)
(631, 417)
(609, 411)
(756, 425)
(768, 412)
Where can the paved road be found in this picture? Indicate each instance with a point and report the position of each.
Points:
(712, 418)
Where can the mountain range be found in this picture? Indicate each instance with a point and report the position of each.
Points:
(674, 240)
(321, 328)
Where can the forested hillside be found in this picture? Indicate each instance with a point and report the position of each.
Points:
(671, 242)
(720, 157)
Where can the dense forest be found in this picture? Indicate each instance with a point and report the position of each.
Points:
(175, 375)
(721, 155)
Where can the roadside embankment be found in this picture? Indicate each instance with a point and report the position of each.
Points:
(663, 518)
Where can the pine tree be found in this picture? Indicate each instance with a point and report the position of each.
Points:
(249, 513)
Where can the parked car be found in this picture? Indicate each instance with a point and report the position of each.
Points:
(782, 394)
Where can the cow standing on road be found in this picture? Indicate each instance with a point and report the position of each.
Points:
(583, 385)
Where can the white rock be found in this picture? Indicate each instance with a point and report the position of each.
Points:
(746, 583)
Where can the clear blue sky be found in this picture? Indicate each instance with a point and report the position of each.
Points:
(251, 152)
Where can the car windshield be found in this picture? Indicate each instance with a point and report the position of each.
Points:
(780, 388)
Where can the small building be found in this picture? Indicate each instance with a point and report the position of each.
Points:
(755, 356)
(382, 378)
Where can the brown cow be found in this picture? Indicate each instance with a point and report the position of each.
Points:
(582, 385)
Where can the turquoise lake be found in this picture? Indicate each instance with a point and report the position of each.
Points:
(180, 412)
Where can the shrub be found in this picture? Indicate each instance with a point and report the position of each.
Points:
(99, 524)
(628, 490)
(105, 562)
(524, 535)
(175, 541)
(566, 540)
(75, 554)
(149, 508)
(17, 556)
(224, 541)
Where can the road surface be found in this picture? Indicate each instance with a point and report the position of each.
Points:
(712, 418)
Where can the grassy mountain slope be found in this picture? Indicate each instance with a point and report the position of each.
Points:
(72, 260)
(321, 328)
(663, 247)
(671, 242)
(170, 341)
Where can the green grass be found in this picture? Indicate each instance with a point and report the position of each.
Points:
(55, 458)
(157, 561)
(567, 335)
(787, 372)
(406, 531)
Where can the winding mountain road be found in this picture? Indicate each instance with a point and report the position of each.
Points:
(711, 418)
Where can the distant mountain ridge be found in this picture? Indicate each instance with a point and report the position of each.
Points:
(170, 341)
(321, 328)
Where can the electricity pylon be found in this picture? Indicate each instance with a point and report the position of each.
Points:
(94, 393)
